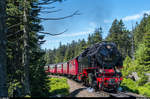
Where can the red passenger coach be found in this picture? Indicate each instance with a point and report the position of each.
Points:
(60, 68)
(73, 67)
(65, 68)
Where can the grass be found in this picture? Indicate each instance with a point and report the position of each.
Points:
(58, 86)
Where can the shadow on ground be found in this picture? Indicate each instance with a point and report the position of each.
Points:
(61, 92)
(74, 93)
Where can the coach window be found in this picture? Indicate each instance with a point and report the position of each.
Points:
(60, 66)
(70, 65)
(74, 62)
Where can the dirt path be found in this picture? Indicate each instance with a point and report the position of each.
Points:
(77, 90)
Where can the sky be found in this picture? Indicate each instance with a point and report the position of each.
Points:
(93, 14)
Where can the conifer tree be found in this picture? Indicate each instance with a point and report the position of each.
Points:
(3, 31)
(146, 54)
(140, 30)
(120, 36)
(97, 36)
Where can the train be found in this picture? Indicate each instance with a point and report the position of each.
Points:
(98, 66)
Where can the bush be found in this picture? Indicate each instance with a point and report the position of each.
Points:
(147, 85)
(144, 91)
(129, 85)
(142, 80)
(127, 64)
(132, 86)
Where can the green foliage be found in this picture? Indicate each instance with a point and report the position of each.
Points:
(141, 64)
(147, 85)
(144, 91)
(58, 86)
(129, 85)
(13, 86)
(95, 37)
(143, 80)
(127, 63)
(38, 79)
(140, 30)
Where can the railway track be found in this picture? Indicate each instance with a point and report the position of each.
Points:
(121, 94)
(117, 94)
(104, 93)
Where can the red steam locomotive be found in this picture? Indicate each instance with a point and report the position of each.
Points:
(97, 66)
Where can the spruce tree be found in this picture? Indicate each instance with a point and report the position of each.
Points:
(120, 36)
(140, 30)
(3, 42)
(146, 58)
(97, 36)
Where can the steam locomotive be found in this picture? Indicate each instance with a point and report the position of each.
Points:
(97, 66)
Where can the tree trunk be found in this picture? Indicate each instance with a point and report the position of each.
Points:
(26, 51)
(3, 75)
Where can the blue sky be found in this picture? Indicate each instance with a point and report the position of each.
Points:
(94, 13)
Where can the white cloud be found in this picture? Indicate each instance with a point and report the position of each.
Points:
(131, 17)
(135, 16)
(148, 12)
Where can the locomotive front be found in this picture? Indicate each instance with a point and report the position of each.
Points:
(110, 60)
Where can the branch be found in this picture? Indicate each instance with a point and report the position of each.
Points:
(42, 8)
(54, 34)
(51, 11)
(75, 13)
(14, 33)
(13, 26)
(41, 42)
(8, 16)
(47, 2)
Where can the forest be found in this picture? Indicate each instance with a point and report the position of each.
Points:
(22, 59)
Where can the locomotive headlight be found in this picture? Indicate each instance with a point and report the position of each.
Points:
(101, 70)
(108, 46)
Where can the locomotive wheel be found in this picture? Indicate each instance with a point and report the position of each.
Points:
(85, 81)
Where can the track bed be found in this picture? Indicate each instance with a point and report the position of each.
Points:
(79, 90)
